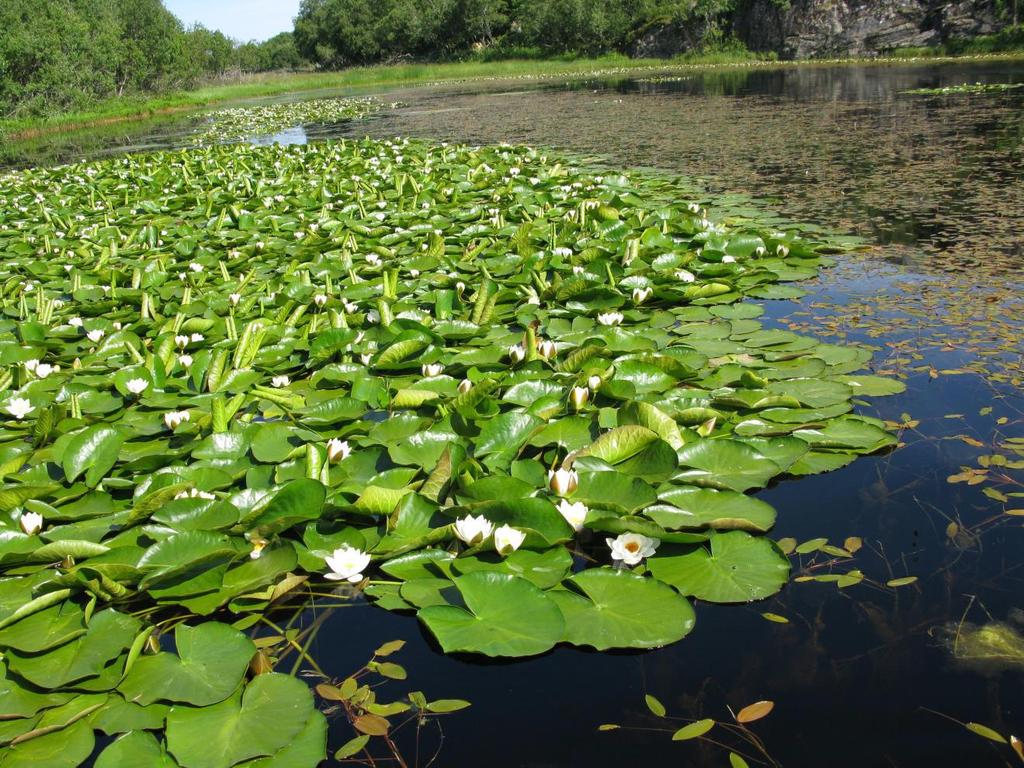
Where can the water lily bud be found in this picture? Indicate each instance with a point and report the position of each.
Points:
(460, 287)
(174, 419)
(693, 208)
(685, 276)
(594, 382)
(258, 545)
(574, 512)
(473, 530)
(346, 564)
(136, 386)
(185, 360)
(337, 450)
(414, 273)
(320, 299)
(432, 369)
(507, 539)
(181, 341)
(464, 386)
(760, 251)
(610, 318)
(234, 298)
(640, 295)
(43, 370)
(631, 548)
(95, 336)
(365, 359)
(578, 397)
(373, 317)
(517, 353)
(546, 349)
(280, 381)
(782, 250)
(31, 522)
(350, 307)
(563, 481)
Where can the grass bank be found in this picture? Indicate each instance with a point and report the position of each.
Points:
(276, 84)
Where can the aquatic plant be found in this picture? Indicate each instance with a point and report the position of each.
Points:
(226, 126)
(520, 399)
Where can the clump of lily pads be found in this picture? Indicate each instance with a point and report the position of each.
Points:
(949, 90)
(528, 400)
(225, 126)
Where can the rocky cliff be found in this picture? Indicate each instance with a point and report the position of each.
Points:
(804, 29)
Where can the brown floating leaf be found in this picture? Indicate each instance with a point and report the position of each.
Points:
(1017, 747)
(371, 725)
(755, 711)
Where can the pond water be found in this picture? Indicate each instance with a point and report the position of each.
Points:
(935, 186)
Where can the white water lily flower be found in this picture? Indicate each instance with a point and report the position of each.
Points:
(373, 259)
(473, 530)
(196, 267)
(42, 370)
(563, 481)
(432, 369)
(727, 259)
(782, 250)
(574, 512)
(610, 318)
(346, 564)
(136, 386)
(464, 386)
(181, 341)
(631, 548)
(185, 360)
(194, 493)
(414, 273)
(234, 298)
(517, 353)
(693, 207)
(337, 450)
(31, 522)
(280, 381)
(686, 276)
(507, 539)
(373, 317)
(95, 335)
(365, 359)
(31, 365)
(75, 322)
(197, 338)
(320, 299)
(563, 252)
(594, 382)
(174, 419)
(578, 269)
(546, 349)
(578, 397)
(350, 306)
(640, 295)
(760, 251)
(117, 325)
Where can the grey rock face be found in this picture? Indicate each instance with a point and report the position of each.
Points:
(832, 28)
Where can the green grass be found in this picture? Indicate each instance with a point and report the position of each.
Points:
(1010, 40)
(276, 84)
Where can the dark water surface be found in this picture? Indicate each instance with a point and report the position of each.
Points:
(936, 186)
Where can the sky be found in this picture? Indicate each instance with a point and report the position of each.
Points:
(242, 20)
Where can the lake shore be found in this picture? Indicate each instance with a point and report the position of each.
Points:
(278, 84)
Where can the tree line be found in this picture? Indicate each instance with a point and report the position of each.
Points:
(63, 55)
(335, 33)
